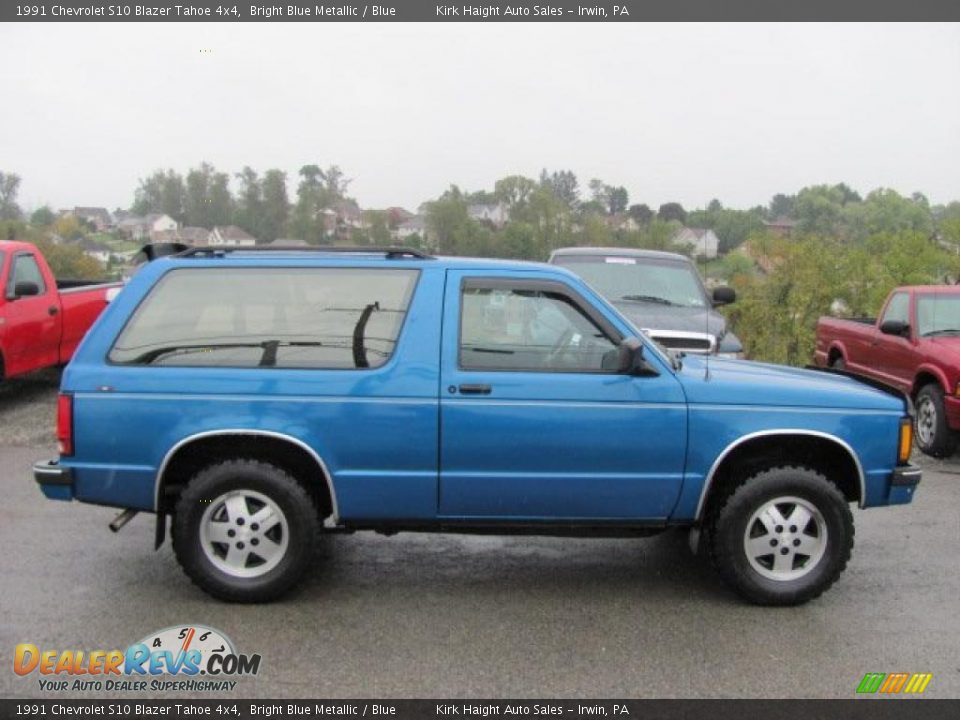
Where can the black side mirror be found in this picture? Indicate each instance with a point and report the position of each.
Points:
(724, 295)
(24, 288)
(630, 359)
(895, 327)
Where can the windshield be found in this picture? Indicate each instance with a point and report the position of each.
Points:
(663, 281)
(938, 315)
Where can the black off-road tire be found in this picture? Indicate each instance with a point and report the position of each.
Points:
(267, 480)
(727, 526)
(839, 363)
(936, 438)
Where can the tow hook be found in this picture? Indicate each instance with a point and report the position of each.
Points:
(122, 519)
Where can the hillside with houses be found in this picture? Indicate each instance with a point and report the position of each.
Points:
(820, 249)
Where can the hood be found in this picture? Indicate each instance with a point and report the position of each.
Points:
(654, 316)
(742, 382)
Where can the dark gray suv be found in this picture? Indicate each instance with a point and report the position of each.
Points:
(659, 292)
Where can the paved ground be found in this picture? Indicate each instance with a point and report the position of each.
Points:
(438, 616)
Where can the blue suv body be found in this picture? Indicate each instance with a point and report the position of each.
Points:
(259, 398)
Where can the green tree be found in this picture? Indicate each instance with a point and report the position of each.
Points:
(9, 187)
(448, 222)
(641, 213)
(378, 223)
(563, 185)
(886, 210)
(820, 209)
(197, 201)
(249, 213)
(672, 211)
(69, 261)
(161, 192)
(221, 209)
(276, 205)
(618, 199)
(514, 191)
(307, 221)
(42, 216)
(781, 206)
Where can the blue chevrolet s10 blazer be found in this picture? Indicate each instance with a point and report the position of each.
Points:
(260, 397)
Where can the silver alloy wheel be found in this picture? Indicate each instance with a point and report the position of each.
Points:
(244, 533)
(785, 538)
(926, 421)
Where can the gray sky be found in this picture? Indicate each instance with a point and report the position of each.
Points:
(672, 112)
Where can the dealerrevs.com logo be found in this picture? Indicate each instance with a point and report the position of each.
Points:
(182, 657)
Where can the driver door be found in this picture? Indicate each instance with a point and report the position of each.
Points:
(536, 423)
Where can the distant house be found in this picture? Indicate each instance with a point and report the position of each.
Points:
(188, 235)
(349, 214)
(329, 218)
(151, 227)
(396, 216)
(159, 223)
(133, 227)
(781, 227)
(416, 225)
(99, 217)
(703, 241)
(230, 235)
(496, 214)
(620, 221)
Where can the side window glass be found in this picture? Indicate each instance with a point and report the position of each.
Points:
(532, 330)
(329, 318)
(898, 308)
(26, 269)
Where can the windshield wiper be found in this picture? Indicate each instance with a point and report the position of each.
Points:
(944, 331)
(647, 298)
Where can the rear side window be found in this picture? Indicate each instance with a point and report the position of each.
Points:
(335, 318)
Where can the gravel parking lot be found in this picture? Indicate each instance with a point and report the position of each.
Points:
(445, 615)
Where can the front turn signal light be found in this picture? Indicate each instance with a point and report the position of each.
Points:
(906, 440)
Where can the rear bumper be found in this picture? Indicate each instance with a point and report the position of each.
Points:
(903, 481)
(55, 481)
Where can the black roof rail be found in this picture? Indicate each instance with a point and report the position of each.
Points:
(390, 252)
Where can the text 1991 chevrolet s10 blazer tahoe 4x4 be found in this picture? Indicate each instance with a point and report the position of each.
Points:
(260, 398)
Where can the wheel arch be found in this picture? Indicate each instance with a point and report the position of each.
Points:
(200, 449)
(836, 350)
(927, 374)
(822, 451)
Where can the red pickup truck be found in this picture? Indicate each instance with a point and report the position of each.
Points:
(42, 320)
(915, 346)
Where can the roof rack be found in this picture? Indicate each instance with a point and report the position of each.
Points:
(390, 253)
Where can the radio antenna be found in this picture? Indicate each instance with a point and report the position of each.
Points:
(706, 314)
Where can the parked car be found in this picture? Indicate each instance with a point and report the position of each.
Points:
(661, 293)
(915, 346)
(42, 319)
(260, 397)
